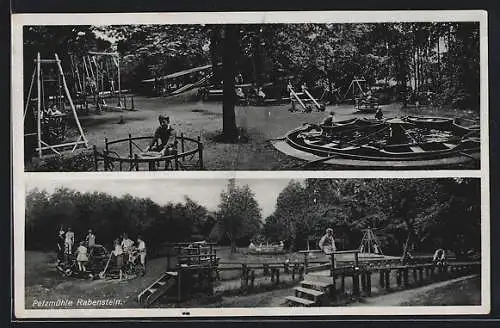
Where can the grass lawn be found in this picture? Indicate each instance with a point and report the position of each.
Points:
(195, 118)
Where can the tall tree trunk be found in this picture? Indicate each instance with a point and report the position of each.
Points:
(229, 56)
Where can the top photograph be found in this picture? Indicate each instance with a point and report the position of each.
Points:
(268, 97)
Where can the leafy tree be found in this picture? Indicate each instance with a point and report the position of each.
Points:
(239, 215)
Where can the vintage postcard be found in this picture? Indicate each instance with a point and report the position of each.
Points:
(220, 246)
(252, 91)
(250, 164)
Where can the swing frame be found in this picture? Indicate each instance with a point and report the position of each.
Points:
(41, 144)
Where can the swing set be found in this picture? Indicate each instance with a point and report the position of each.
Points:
(98, 76)
(356, 89)
(51, 112)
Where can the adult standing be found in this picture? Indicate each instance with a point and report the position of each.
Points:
(327, 244)
(141, 248)
(60, 245)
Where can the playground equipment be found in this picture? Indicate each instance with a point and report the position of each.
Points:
(179, 82)
(408, 142)
(51, 112)
(355, 88)
(274, 248)
(304, 102)
(97, 76)
(370, 243)
(193, 271)
(350, 276)
(184, 154)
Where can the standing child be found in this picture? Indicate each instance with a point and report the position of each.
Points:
(81, 257)
(118, 254)
(69, 241)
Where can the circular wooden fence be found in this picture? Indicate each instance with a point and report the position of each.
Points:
(186, 155)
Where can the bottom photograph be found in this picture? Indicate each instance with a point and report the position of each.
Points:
(251, 243)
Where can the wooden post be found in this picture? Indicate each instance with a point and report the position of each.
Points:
(96, 163)
(277, 276)
(130, 145)
(132, 102)
(266, 269)
(136, 160)
(381, 278)
(363, 282)
(119, 80)
(368, 283)
(405, 278)
(252, 279)
(355, 282)
(200, 153)
(182, 145)
(421, 275)
(415, 276)
(387, 277)
(305, 262)
(342, 283)
(398, 277)
(176, 159)
(39, 105)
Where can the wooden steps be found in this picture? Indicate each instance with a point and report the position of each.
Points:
(158, 288)
(311, 292)
(299, 301)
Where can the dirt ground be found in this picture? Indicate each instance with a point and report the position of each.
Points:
(197, 118)
(460, 291)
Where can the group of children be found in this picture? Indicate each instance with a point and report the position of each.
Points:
(66, 248)
(125, 250)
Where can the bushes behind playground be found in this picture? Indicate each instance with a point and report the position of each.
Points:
(81, 161)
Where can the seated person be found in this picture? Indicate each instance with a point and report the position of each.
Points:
(439, 257)
(240, 93)
(329, 120)
(162, 135)
(261, 95)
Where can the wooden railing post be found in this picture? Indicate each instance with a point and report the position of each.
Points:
(368, 283)
(387, 276)
(200, 153)
(130, 145)
(405, 278)
(96, 160)
(305, 262)
(355, 282)
(182, 145)
(136, 161)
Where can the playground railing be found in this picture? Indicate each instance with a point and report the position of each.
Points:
(180, 159)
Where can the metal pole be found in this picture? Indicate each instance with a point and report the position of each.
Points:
(39, 105)
(119, 82)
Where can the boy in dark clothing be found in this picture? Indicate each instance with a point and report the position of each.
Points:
(162, 135)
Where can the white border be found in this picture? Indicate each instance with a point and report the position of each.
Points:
(19, 177)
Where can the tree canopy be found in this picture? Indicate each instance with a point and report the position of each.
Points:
(434, 212)
(441, 57)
